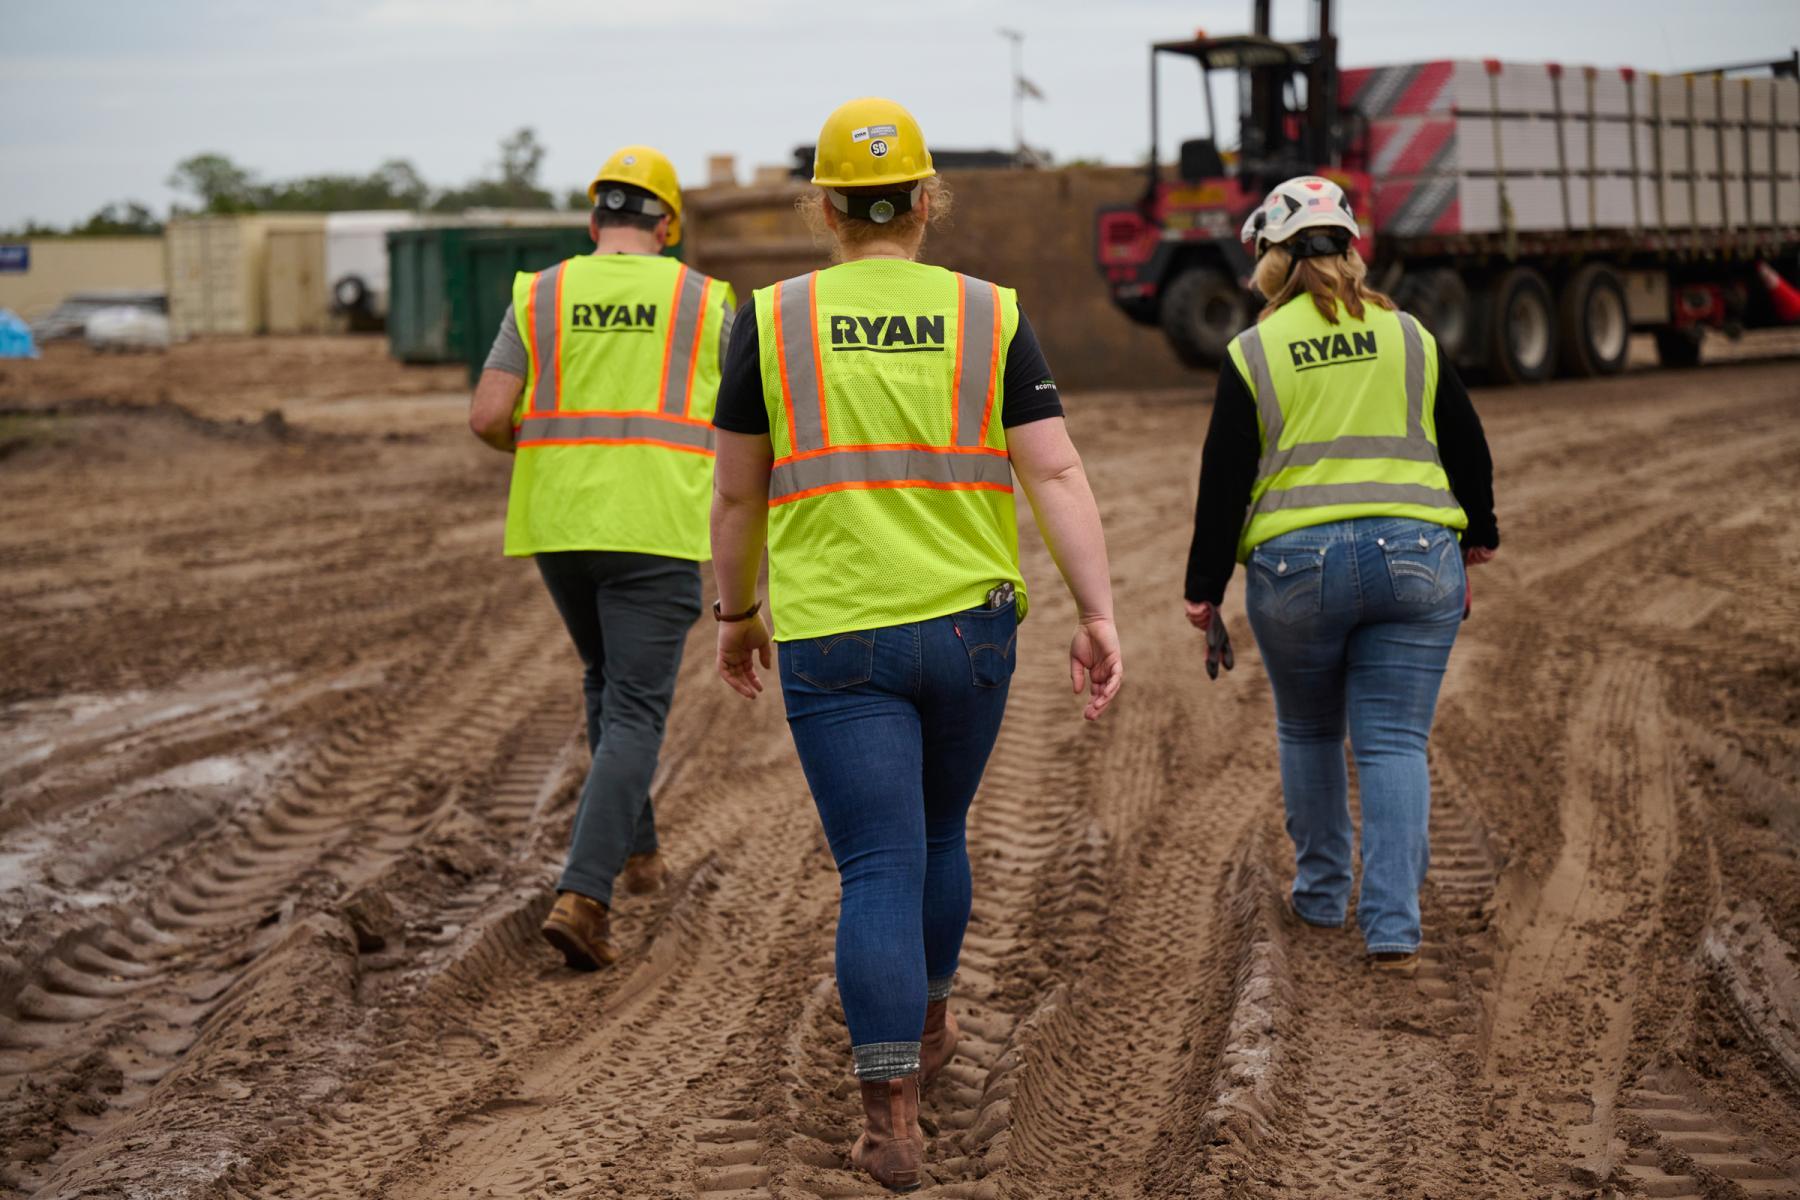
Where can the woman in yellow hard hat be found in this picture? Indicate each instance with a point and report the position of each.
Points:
(871, 420)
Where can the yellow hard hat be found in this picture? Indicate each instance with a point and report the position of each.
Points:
(647, 168)
(869, 142)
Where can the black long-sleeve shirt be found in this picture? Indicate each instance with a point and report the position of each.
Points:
(1234, 446)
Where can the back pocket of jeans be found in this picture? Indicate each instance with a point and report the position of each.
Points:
(1421, 566)
(1288, 584)
(840, 661)
(991, 637)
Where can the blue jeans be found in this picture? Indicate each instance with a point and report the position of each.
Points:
(628, 615)
(1355, 619)
(894, 727)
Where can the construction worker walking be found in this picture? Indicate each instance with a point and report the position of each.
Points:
(870, 424)
(602, 383)
(1343, 461)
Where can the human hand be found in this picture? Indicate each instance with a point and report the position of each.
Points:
(1096, 664)
(741, 645)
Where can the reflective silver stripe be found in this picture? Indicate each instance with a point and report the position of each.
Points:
(1323, 494)
(794, 322)
(888, 466)
(975, 379)
(611, 429)
(682, 337)
(1348, 446)
(545, 320)
(1250, 341)
(1415, 378)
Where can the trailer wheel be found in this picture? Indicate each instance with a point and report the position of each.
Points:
(1522, 331)
(1594, 325)
(1678, 347)
(1440, 299)
(1202, 310)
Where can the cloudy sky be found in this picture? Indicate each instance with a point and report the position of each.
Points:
(102, 97)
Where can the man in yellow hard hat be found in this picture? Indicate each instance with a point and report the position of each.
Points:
(602, 383)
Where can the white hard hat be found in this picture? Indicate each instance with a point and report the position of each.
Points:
(1307, 202)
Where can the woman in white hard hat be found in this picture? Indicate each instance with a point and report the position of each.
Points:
(1346, 466)
(871, 419)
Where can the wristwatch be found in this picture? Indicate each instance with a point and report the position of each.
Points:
(734, 617)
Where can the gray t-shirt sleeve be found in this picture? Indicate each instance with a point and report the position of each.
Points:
(508, 353)
(725, 333)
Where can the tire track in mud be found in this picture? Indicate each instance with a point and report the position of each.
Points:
(1563, 1017)
(1336, 1080)
(143, 976)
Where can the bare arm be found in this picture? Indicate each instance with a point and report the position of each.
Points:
(740, 529)
(491, 408)
(1057, 486)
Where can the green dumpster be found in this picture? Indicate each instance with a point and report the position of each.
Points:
(449, 286)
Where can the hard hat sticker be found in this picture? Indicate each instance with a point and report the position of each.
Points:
(860, 135)
(878, 148)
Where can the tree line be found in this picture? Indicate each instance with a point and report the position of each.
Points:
(215, 183)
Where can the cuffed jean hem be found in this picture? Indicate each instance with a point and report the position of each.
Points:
(587, 885)
(878, 1061)
(1393, 948)
(938, 989)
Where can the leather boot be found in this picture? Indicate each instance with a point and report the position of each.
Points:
(937, 1043)
(892, 1147)
(580, 927)
(644, 873)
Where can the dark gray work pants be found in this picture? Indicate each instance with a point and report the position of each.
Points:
(629, 615)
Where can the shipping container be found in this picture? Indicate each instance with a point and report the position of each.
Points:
(217, 270)
(448, 287)
(40, 273)
(296, 299)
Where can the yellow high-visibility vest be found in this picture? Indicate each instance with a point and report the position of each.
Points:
(614, 429)
(891, 499)
(1348, 422)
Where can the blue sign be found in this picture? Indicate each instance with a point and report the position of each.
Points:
(15, 257)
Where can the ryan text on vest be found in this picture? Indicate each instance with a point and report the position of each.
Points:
(888, 335)
(1356, 346)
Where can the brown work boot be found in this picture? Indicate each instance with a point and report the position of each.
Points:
(644, 873)
(892, 1147)
(580, 928)
(937, 1043)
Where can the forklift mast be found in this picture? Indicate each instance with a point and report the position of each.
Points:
(1277, 142)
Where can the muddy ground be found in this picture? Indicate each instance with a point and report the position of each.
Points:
(288, 751)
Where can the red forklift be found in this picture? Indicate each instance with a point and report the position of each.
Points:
(1173, 259)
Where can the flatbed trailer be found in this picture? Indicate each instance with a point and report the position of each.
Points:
(1533, 215)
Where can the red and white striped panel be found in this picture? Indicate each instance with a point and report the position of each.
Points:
(1411, 89)
(1416, 207)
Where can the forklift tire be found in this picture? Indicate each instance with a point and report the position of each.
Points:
(1202, 310)
(1678, 347)
(1521, 328)
(1594, 334)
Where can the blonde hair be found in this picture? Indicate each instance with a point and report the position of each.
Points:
(853, 234)
(1329, 281)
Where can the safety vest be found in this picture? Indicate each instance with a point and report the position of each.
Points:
(891, 498)
(614, 429)
(1348, 420)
